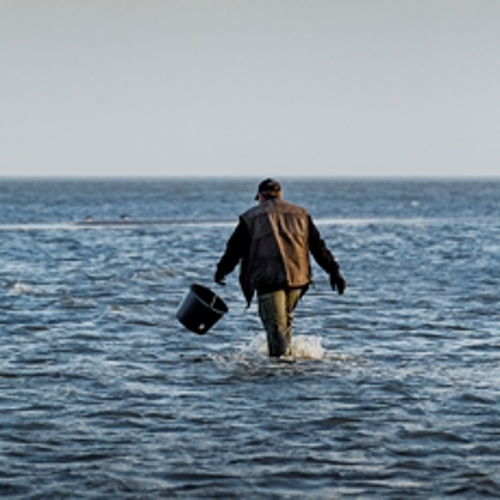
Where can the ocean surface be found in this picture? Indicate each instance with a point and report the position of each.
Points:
(393, 391)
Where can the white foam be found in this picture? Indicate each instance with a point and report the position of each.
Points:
(257, 345)
(303, 347)
(20, 288)
(307, 347)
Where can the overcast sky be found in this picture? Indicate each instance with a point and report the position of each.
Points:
(250, 88)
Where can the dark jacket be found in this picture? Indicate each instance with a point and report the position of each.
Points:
(272, 242)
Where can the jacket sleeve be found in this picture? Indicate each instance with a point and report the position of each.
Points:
(236, 247)
(319, 250)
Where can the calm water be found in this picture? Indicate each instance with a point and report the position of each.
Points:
(395, 388)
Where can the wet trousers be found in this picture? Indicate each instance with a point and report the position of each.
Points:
(276, 313)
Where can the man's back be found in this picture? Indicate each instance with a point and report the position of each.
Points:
(278, 254)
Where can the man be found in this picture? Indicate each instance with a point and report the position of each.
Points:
(272, 242)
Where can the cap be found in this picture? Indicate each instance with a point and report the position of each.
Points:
(269, 188)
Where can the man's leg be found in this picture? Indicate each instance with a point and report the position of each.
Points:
(272, 312)
(292, 299)
(276, 313)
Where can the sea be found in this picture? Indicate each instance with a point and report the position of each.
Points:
(392, 390)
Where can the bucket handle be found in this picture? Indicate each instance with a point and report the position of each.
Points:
(214, 298)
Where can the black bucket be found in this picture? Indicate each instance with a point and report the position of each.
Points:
(200, 309)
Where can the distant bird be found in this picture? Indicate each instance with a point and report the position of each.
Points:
(125, 217)
(88, 218)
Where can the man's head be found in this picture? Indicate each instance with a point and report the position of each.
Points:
(268, 188)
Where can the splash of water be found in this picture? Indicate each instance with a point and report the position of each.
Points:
(303, 347)
(307, 347)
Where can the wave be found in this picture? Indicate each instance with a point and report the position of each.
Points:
(19, 288)
(130, 224)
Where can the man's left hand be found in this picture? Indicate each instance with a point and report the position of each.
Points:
(338, 282)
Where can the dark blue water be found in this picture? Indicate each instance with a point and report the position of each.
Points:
(395, 387)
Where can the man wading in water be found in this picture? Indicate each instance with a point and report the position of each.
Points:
(272, 243)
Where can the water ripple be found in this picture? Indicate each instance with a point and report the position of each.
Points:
(392, 391)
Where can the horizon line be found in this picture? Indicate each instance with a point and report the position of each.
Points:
(249, 178)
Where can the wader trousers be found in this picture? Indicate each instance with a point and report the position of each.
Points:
(276, 313)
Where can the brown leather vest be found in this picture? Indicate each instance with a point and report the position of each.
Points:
(279, 250)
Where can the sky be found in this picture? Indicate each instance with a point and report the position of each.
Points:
(250, 88)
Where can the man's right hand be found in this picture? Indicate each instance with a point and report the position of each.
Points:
(219, 278)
